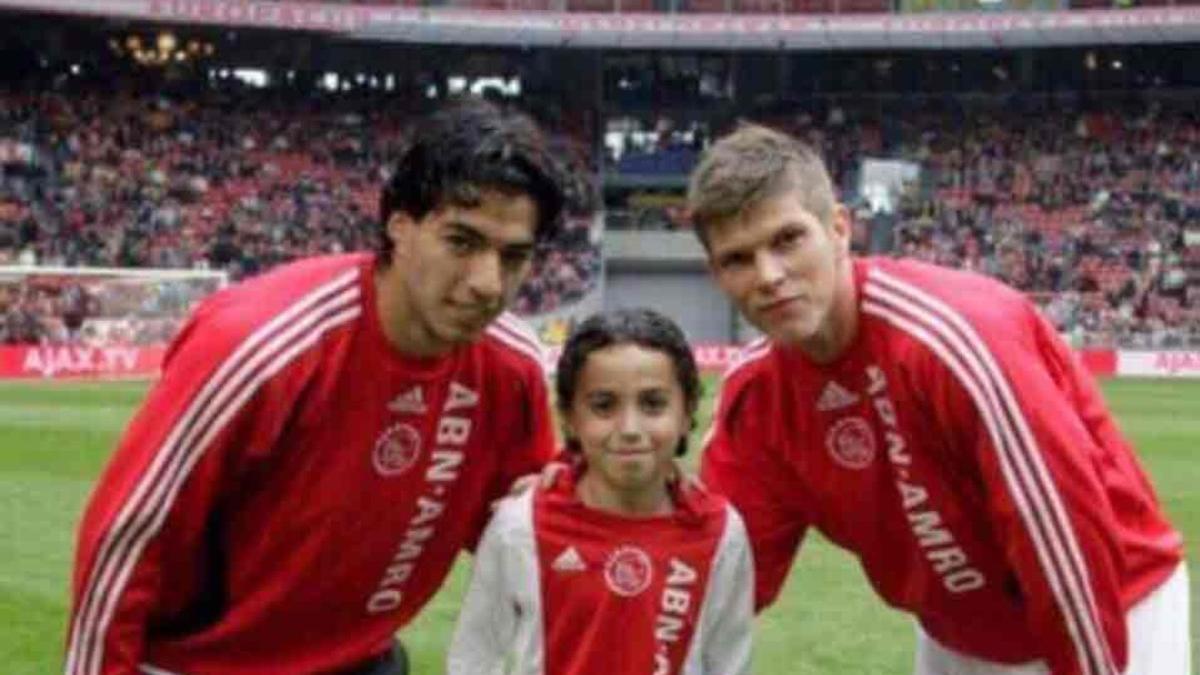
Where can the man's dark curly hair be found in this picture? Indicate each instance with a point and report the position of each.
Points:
(643, 327)
(468, 146)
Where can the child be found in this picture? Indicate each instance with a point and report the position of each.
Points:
(621, 567)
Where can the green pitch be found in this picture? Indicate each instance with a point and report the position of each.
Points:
(54, 439)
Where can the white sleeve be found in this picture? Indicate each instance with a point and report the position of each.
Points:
(727, 617)
(485, 634)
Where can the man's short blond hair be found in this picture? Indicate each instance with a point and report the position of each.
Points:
(752, 164)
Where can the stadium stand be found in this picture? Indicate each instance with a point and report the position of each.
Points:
(231, 180)
(1083, 197)
(1086, 209)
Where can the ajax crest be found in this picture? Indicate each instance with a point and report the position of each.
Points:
(396, 450)
(851, 443)
(628, 571)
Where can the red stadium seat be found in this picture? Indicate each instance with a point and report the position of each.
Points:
(484, 4)
(811, 6)
(862, 6)
(591, 5)
(636, 5)
(758, 6)
(710, 6)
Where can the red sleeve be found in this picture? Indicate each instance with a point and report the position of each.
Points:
(141, 541)
(743, 461)
(1008, 395)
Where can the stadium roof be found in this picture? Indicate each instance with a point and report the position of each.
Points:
(660, 30)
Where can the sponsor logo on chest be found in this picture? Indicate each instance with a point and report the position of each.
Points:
(410, 402)
(674, 612)
(947, 559)
(835, 397)
(569, 561)
(451, 439)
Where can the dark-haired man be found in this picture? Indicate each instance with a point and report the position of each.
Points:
(326, 437)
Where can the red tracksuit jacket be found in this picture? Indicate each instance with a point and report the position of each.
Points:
(967, 459)
(293, 490)
(558, 588)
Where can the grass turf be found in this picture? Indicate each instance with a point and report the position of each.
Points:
(54, 439)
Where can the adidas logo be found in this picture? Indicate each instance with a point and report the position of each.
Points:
(569, 561)
(835, 397)
(411, 401)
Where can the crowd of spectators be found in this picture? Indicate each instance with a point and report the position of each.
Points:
(1087, 208)
(1089, 212)
(238, 181)
(1094, 210)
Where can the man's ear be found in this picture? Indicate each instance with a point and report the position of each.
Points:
(842, 227)
(401, 228)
